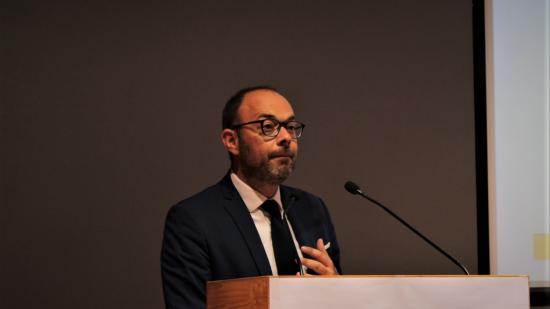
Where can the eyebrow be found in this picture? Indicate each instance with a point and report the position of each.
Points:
(271, 116)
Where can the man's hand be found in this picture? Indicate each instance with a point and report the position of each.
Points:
(321, 262)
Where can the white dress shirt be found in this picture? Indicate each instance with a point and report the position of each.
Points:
(253, 200)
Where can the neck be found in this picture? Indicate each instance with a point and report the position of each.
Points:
(266, 189)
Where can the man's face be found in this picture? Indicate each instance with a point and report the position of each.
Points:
(262, 158)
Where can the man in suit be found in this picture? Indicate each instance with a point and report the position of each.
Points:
(239, 227)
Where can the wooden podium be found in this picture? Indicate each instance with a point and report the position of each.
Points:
(350, 292)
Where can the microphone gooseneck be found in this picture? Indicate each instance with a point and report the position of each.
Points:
(353, 188)
(292, 199)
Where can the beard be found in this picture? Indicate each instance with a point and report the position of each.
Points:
(274, 170)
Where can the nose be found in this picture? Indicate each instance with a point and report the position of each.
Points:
(284, 137)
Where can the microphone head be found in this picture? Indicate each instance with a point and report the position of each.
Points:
(352, 187)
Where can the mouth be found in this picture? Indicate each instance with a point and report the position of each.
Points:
(282, 155)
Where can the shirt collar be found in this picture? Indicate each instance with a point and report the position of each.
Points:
(252, 198)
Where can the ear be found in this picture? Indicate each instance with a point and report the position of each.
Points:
(230, 140)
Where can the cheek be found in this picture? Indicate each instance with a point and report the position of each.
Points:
(262, 152)
(255, 153)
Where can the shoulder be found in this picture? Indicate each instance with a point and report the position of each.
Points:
(202, 203)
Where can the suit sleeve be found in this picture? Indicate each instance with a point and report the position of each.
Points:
(184, 261)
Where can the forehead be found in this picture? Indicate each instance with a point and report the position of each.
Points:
(265, 103)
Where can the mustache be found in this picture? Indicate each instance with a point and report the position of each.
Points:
(283, 153)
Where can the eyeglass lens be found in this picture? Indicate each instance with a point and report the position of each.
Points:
(271, 127)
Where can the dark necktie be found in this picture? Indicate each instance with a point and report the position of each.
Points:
(283, 245)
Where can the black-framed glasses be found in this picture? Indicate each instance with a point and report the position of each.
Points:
(272, 127)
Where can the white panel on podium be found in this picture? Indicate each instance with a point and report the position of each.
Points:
(450, 292)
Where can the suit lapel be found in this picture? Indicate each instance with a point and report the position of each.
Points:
(297, 214)
(236, 208)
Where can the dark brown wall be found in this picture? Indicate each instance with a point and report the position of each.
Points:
(111, 113)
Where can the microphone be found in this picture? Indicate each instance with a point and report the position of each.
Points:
(353, 188)
(293, 198)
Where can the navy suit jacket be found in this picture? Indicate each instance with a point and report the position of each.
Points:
(211, 236)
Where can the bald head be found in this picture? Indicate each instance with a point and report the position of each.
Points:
(231, 109)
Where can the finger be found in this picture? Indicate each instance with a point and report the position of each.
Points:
(321, 245)
(316, 254)
(316, 266)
